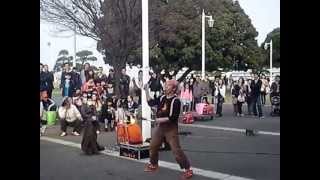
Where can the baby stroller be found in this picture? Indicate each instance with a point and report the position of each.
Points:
(275, 106)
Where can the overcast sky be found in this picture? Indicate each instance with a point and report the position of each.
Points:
(264, 14)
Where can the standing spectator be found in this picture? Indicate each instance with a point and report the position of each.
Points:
(69, 116)
(68, 85)
(205, 88)
(111, 79)
(256, 96)
(100, 75)
(155, 86)
(43, 85)
(49, 78)
(66, 70)
(196, 92)
(241, 97)
(124, 84)
(138, 85)
(186, 97)
(84, 73)
(76, 78)
(265, 88)
(220, 94)
(91, 75)
(235, 91)
(191, 82)
(248, 93)
(213, 85)
(225, 79)
(275, 87)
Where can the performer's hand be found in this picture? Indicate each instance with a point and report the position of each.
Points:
(94, 118)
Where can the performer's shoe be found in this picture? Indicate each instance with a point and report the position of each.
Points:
(150, 167)
(63, 134)
(76, 133)
(187, 174)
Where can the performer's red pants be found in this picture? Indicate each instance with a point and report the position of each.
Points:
(170, 132)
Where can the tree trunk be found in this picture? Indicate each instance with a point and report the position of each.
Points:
(117, 74)
(184, 75)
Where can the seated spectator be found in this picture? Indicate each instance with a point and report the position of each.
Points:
(108, 115)
(132, 105)
(89, 86)
(46, 104)
(120, 112)
(99, 88)
(69, 116)
(78, 103)
(77, 94)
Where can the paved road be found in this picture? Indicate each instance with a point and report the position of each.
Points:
(228, 152)
(256, 157)
(58, 162)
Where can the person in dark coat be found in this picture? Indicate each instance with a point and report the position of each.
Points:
(43, 85)
(155, 86)
(89, 144)
(49, 78)
(124, 84)
(256, 96)
(76, 79)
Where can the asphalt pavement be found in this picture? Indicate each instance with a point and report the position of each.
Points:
(224, 151)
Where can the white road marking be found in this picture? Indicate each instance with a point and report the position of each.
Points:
(164, 164)
(227, 129)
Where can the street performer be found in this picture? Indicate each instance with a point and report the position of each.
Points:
(168, 110)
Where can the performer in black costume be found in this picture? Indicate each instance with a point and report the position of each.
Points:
(89, 144)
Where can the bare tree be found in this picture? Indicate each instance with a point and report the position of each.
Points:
(114, 24)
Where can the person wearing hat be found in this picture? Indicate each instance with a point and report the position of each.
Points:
(168, 111)
(69, 116)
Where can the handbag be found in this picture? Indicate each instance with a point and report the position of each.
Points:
(241, 98)
(234, 100)
(220, 98)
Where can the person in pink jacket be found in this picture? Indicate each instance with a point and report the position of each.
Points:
(186, 97)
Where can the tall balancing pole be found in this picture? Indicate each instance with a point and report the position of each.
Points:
(146, 111)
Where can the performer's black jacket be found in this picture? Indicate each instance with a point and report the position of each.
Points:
(167, 107)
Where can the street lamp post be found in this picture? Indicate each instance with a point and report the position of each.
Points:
(210, 22)
(75, 11)
(266, 47)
